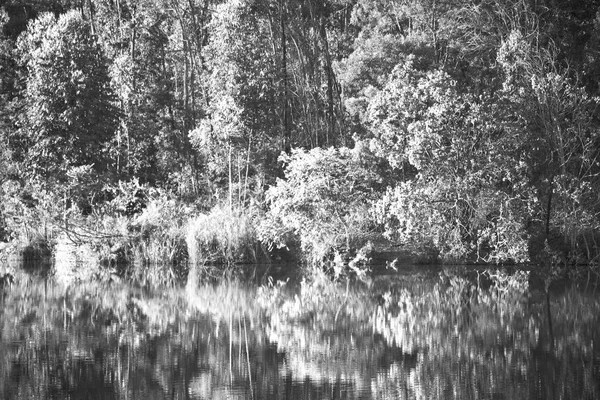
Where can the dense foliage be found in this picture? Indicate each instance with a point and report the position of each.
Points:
(466, 130)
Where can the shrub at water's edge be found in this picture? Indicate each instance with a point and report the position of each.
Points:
(155, 246)
(323, 204)
(158, 245)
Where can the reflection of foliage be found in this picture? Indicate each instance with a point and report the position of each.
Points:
(453, 304)
(72, 340)
(318, 299)
(135, 344)
(507, 288)
(319, 328)
(493, 332)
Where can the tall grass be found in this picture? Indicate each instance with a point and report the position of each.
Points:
(222, 236)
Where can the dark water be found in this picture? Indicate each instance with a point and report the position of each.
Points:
(396, 339)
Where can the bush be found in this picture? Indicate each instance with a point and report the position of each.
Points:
(324, 201)
(447, 217)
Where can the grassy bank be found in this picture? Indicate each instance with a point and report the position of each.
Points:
(153, 243)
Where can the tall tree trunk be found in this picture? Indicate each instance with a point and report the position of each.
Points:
(186, 87)
(285, 119)
(195, 57)
(434, 26)
(549, 205)
(165, 79)
(90, 7)
(130, 106)
(230, 180)
(118, 4)
(330, 83)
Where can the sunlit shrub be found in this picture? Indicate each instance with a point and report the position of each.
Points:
(323, 203)
(129, 198)
(574, 223)
(464, 191)
(138, 234)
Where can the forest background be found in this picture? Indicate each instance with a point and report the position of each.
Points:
(136, 132)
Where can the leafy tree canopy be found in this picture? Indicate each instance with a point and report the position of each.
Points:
(68, 112)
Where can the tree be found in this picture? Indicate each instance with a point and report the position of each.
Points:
(460, 184)
(69, 116)
(9, 87)
(143, 41)
(241, 122)
(559, 120)
(387, 32)
(312, 37)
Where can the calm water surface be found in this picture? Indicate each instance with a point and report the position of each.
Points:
(392, 340)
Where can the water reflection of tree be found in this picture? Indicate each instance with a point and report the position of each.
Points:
(108, 342)
(504, 350)
(121, 343)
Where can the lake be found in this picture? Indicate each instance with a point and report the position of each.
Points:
(424, 333)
